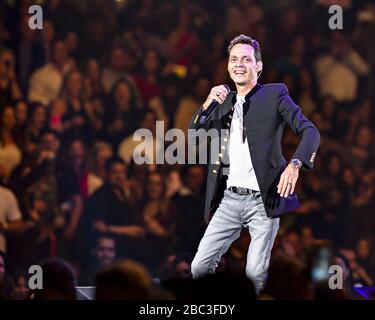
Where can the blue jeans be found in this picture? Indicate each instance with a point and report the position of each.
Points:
(235, 212)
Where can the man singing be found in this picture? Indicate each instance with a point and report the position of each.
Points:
(249, 183)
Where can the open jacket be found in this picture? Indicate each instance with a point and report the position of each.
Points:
(267, 108)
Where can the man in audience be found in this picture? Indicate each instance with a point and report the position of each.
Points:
(46, 82)
(108, 210)
(103, 254)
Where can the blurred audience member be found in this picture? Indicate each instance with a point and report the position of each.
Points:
(10, 91)
(28, 51)
(7, 286)
(148, 78)
(176, 266)
(97, 173)
(46, 82)
(124, 280)
(158, 216)
(365, 257)
(75, 120)
(288, 279)
(59, 281)
(338, 72)
(10, 216)
(117, 69)
(146, 150)
(122, 113)
(108, 210)
(103, 254)
(189, 104)
(10, 153)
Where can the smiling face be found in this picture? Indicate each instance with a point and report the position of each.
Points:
(105, 251)
(242, 66)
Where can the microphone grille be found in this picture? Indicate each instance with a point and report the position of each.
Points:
(227, 87)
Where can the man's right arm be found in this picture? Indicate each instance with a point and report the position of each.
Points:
(219, 94)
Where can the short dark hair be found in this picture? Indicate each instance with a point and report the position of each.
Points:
(47, 130)
(243, 39)
(59, 280)
(114, 160)
(103, 235)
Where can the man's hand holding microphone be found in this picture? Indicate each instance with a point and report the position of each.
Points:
(217, 96)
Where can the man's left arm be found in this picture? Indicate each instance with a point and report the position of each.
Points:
(308, 145)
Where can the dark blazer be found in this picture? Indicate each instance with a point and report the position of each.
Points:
(266, 110)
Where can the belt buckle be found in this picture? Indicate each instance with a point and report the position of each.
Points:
(242, 190)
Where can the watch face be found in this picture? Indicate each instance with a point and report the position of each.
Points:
(296, 163)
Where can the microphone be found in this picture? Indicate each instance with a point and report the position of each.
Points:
(206, 114)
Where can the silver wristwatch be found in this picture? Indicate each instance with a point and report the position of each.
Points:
(296, 163)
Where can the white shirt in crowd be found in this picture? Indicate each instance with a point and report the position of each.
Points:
(10, 157)
(340, 79)
(45, 84)
(9, 211)
(149, 150)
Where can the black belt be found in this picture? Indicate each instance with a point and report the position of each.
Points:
(240, 190)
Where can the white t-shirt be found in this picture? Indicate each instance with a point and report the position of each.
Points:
(10, 157)
(241, 171)
(9, 211)
(45, 84)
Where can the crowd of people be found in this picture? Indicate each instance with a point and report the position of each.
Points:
(73, 94)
